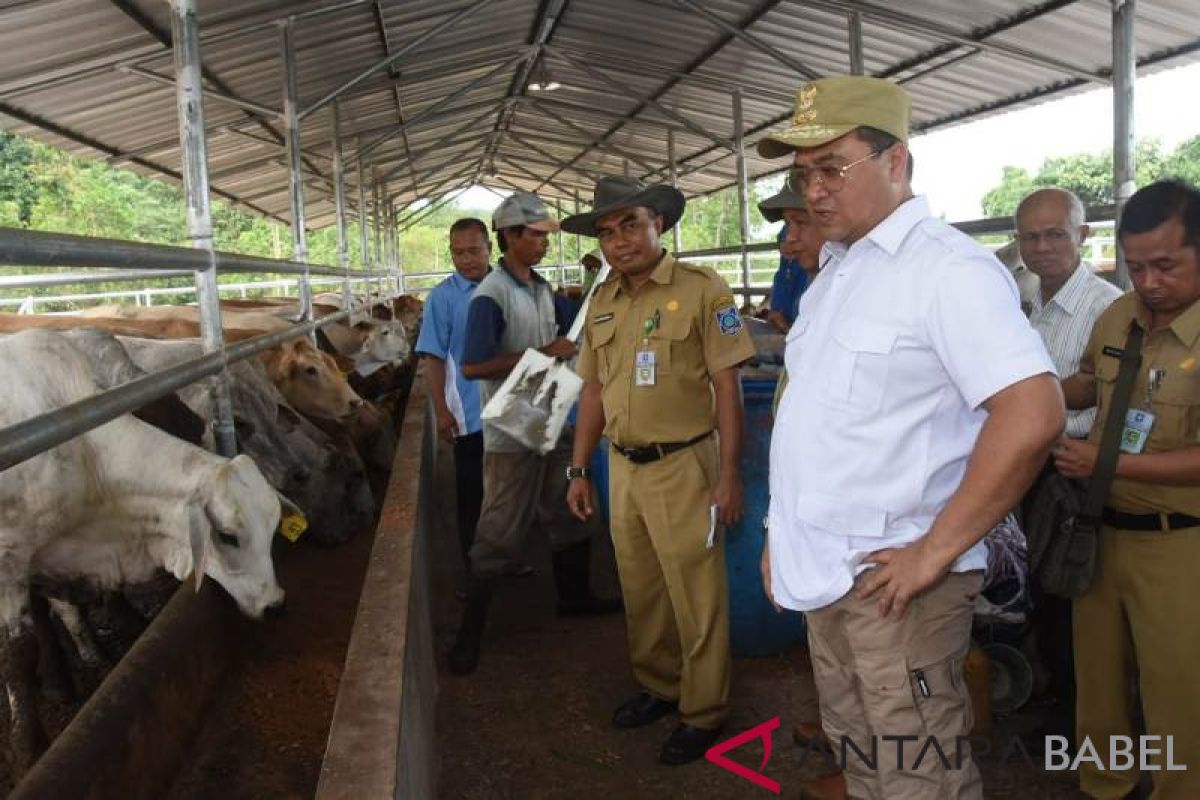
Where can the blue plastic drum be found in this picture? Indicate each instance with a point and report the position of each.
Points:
(756, 629)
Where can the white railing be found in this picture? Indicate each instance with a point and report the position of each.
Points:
(145, 297)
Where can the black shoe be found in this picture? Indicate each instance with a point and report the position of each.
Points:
(464, 656)
(571, 576)
(687, 744)
(641, 709)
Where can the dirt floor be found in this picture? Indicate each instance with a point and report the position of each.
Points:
(265, 734)
(533, 722)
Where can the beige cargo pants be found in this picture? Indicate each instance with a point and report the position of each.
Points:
(898, 678)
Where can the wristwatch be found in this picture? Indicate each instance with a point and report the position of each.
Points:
(578, 472)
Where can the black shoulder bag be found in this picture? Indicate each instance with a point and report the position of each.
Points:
(1064, 522)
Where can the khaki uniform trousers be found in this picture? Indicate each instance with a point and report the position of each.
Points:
(893, 677)
(1138, 622)
(519, 490)
(675, 589)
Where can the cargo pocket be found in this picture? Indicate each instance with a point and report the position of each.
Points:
(943, 704)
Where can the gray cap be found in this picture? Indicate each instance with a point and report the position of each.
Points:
(773, 207)
(523, 208)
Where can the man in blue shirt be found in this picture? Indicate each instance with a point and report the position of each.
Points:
(515, 309)
(442, 343)
(799, 254)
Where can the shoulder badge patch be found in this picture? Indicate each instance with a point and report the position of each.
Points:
(729, 321)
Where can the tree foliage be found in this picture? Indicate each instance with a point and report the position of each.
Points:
(42, 188)
(1090, 175)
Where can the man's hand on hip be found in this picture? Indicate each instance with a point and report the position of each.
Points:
(900, 574)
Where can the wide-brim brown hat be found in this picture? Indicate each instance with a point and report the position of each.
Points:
(829, 108)
(614, 192)
(773, 207)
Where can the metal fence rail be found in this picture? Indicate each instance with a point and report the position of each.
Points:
(26, 439)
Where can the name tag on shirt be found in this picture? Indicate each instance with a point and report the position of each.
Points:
(643, 368)
(1138, 424)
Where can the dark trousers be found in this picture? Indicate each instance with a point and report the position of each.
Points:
(468, 483)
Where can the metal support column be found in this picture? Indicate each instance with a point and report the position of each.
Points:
(339, 202)
(291, 116)
(562, 254)
(362, 212)
(376, 226)
(743, 190)
(578, 237)
(1124, 62)
(854, 21)
(674, 176)
(190, 106)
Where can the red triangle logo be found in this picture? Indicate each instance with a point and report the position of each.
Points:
(716, 754)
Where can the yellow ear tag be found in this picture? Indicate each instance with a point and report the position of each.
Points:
(292, 526)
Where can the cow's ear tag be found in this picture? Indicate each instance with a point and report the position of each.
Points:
(292, 525)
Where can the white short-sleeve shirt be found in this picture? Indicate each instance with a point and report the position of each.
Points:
(898, 342)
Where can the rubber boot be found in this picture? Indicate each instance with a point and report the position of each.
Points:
(464, 656)
(571, 580)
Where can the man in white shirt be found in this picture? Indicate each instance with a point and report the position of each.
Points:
(1050, 233)
(1051, 229)
(921, 406)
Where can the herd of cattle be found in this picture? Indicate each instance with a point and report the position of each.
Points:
(89, 521)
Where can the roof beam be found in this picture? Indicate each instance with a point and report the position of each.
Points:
(230, 99)
(626, 89)
(750, 39)
(452, 137)
(535, 178)
(694, 64)
(591, 140)
(412, 44)
(548, 15)
(367, 149)
(926, 27)
(393, 74)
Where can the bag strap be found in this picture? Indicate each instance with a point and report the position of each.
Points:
(1114, 426)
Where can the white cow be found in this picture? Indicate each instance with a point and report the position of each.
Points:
(111, 507)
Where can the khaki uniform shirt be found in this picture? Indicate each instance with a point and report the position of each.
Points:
(1175, 404)
(698, 333)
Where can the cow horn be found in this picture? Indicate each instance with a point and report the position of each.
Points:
(198, 538)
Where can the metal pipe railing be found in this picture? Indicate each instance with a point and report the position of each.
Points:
(26, 439)
(46, 249)
(73, 278)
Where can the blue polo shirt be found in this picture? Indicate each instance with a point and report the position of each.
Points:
(444, 336)
(790, 282)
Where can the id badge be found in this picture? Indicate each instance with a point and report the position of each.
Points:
(643, 368)
(1138, 424)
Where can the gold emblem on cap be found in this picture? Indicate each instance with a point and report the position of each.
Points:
(804, 104)
(673, 305)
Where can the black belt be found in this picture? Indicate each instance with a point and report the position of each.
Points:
(653, 452)
(1149, 522)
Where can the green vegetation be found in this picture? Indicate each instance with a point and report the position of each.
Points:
(45, 189)
(1089, 175)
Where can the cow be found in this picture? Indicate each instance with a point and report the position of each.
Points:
(308, 378)
(110, 507)
(328, 482)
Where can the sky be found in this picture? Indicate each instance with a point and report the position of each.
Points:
(956, 166)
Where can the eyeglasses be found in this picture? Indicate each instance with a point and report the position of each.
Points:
(1052, 236)
(831, 177)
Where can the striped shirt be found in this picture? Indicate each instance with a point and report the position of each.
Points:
(1065, 324)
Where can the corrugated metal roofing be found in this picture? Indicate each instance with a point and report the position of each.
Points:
(454, 109)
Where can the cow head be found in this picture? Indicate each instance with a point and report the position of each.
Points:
(311, 382)
(231, 524)
(386, 342)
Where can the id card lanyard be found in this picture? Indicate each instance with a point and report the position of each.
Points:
(644, 366)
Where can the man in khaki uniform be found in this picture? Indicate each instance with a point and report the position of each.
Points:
(659, 364)
(1138, 619)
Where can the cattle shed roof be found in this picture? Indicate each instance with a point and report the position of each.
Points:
(453, 107)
